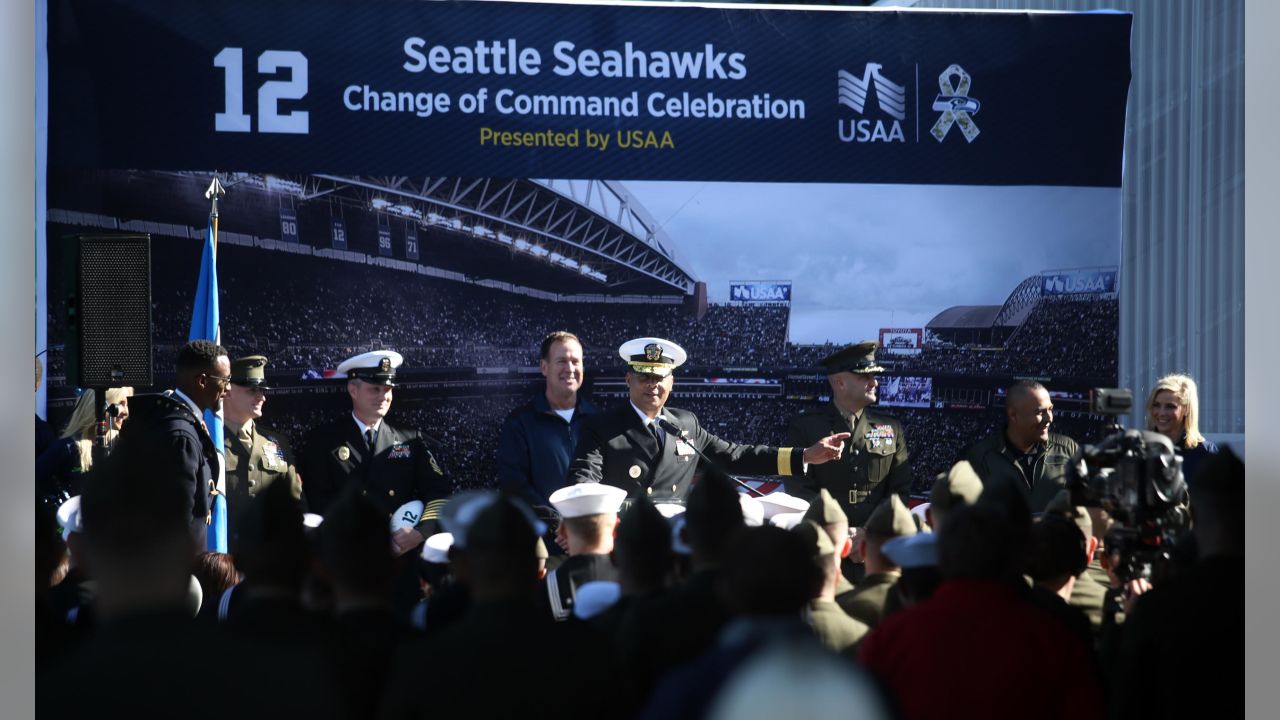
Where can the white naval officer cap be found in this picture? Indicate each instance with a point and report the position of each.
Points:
(652, 356)
(407, 515)
(378, 367)
(436, 548)
(589, 498)
(69, 517)
(780, 502)
(669, 510)
(786, 520)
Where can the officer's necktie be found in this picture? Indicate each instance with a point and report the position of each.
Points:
(369, 437)
(657, 436)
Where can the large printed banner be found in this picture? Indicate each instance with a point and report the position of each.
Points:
(454, 180)
(621, 92)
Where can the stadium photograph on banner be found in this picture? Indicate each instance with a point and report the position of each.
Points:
(966, 289)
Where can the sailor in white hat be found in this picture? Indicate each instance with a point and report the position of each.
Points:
(588, 523)
(389, 465)
(647, 448)
(76, 588)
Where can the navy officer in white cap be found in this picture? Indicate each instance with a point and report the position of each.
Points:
(388, 465)
(647, 448)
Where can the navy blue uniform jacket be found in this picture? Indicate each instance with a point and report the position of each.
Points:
(616, 449)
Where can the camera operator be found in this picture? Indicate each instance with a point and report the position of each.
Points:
(1195, 618)
(1024, 454)
(1173, 410)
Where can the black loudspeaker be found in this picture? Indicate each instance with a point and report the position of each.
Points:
(109, 311)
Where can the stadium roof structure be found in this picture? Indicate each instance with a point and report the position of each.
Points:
(595, 228)
(965, 317)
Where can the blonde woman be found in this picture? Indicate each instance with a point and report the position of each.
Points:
(1173, 410)
(59, 468)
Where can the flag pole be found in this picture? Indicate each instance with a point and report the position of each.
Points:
(214, 192)
(217, 537)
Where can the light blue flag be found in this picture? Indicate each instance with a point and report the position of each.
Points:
(204, 326)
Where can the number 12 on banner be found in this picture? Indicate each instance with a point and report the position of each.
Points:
(235, 119)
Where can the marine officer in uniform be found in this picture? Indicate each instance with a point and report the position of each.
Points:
(389, 465)
(875, 463)
(255, 457)
(630, 448)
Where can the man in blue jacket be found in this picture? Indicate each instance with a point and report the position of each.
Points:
(537, 439)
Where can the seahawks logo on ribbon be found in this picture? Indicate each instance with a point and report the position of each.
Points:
(956, 106)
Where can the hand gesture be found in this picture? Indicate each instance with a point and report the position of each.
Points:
(828, 448)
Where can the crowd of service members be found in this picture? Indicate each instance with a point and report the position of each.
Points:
(731, 617)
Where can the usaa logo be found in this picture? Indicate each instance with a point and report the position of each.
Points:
(884, 126)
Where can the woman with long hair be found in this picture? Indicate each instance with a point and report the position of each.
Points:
(60, 468)
(1173, 410)
(82, 428)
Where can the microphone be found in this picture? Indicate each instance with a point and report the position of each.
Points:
(673, 429)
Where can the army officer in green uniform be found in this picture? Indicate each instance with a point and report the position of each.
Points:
(874, 462)
(255, 457)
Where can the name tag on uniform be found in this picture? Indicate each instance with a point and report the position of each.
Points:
(683, 448)
(400, 450)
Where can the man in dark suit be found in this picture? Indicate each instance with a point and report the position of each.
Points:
(876, 462)
(388, 465)
(633, 448)
(167, 434)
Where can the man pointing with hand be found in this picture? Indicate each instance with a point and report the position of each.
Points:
(647, 448)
